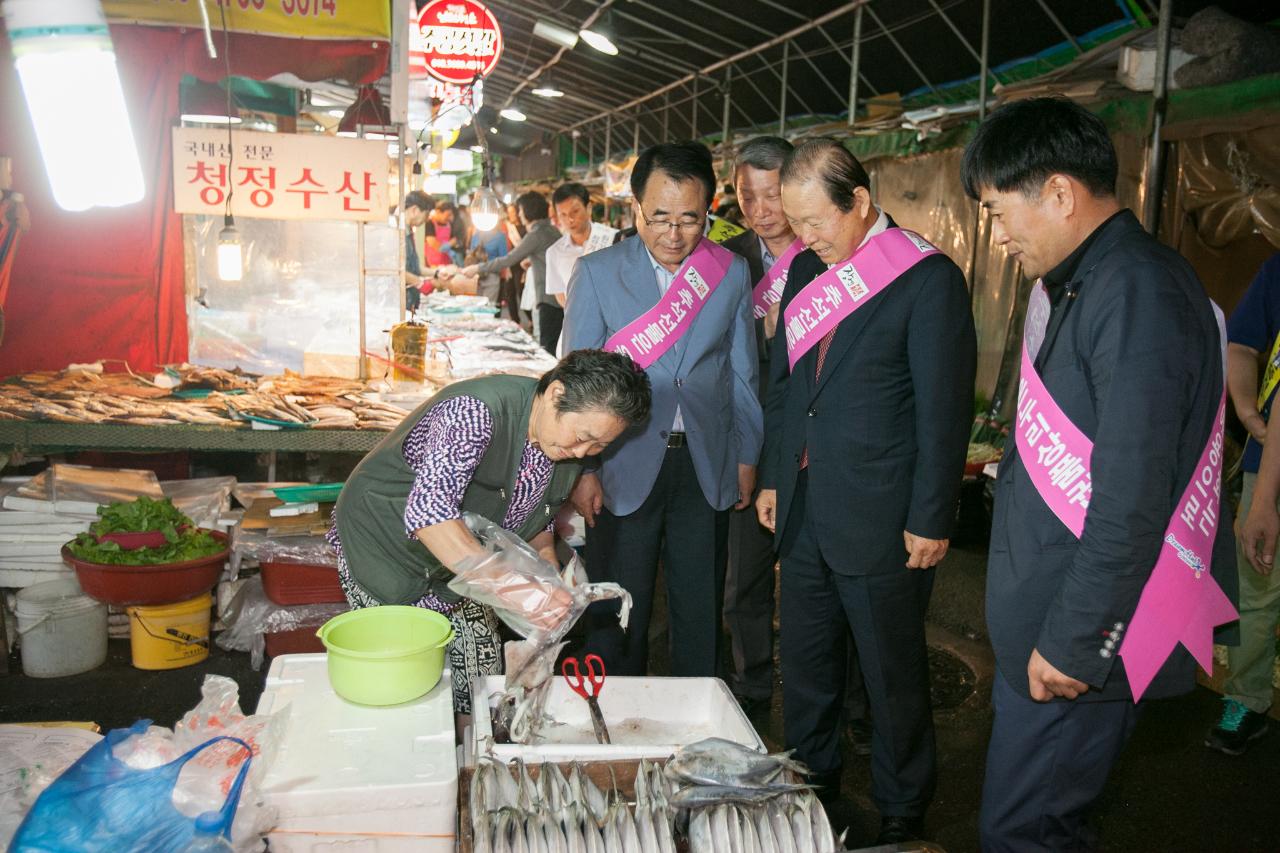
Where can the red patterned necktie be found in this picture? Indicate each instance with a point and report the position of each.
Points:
(823, 346)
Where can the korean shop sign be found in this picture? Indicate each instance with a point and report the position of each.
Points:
(315, 19)
(455, 41)
(279, 175)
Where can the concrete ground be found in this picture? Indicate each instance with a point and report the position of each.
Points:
(1168, 792)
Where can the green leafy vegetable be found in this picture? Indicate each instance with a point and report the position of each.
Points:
(184, 541)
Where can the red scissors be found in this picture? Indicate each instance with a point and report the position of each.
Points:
(588, 688)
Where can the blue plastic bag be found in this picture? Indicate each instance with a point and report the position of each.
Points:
(102, 805)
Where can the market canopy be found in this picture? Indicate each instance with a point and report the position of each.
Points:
(794, 58)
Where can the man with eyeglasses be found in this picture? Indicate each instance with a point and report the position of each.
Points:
(680, 306)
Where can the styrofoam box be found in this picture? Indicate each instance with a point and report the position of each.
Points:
(357, 778)
(646, 717)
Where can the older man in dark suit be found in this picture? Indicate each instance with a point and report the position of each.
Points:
(867, 423)
(1128, 349)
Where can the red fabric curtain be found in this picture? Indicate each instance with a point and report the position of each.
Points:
(109, 283)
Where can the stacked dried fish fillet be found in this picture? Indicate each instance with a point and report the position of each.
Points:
(511, 811)
(87, 397)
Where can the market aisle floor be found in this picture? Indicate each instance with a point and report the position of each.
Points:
(1168, 794)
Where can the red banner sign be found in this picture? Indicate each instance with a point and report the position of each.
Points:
(455, 41)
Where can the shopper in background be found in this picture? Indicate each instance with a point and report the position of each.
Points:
(416, 206)
(439, 239)
(572, 205)
(539, 236)
(1253, 335)
(1124, 344)
(662, 494)
(512, 287)
(488, 246)
(866, 427)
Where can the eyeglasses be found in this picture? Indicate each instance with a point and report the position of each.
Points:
(688, 226)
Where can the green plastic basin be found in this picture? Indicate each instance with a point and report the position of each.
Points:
(385, 655)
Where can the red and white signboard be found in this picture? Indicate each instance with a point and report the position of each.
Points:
(454, 41)
(279, 175)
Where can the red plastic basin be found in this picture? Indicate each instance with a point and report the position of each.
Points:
(159, 584)
(300, 583)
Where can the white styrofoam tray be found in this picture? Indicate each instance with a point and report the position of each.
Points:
(646, 717)
(359, 777)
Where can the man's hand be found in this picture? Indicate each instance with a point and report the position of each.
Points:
(469, 271)
(588, 497)
(766, 506)
(1258, 538)
(1256, 426)
(924, 553)
(771, 320)
(1046, 681)
(746, 485)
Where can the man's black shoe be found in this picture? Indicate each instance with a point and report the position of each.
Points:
(895, 829)
(860, 736)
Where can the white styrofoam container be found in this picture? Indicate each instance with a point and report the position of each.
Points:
(357, 778)
(646, 717)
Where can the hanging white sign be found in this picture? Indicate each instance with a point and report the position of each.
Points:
(279, 175)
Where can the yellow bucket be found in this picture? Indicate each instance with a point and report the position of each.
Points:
(168, 636)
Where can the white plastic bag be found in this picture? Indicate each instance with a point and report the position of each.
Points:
(205, 781)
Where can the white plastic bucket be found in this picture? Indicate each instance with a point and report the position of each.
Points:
(63, 631)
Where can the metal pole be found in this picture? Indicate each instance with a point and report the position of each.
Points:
(1155, 163)
(400, 132)
(726, 135)
(608, 138)
(693, 111)
(666, 117)
(854, 63)
(635, 139)
(782, 98)
(982, 114)
(983, 59)
(360, 290)
(591, 151)
(573, 142)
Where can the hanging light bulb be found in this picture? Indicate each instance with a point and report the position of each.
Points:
(486, 209)
(513, 113)
(67, 65)
(230, 252)
(547, 88)
(600, 36)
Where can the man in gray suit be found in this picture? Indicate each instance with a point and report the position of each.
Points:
(664, 492)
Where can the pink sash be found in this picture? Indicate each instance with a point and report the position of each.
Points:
(650, 335)
(824, 302)
(768, 289)
(1180, 602)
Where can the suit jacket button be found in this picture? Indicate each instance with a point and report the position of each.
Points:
(663, 433)
(1104, 653)
(813, 413)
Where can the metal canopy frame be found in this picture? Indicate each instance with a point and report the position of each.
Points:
(701, 68)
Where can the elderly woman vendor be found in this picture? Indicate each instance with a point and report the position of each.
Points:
(508, 448)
